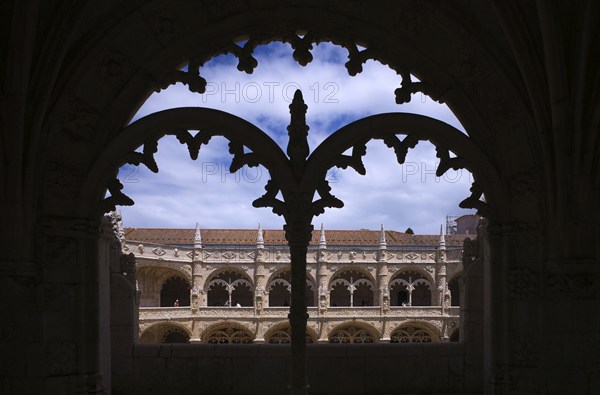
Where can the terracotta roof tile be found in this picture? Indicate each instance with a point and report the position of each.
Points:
(276, 237)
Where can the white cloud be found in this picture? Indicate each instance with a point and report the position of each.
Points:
(184, 192)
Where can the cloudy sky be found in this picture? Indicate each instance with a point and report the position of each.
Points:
(185, 192)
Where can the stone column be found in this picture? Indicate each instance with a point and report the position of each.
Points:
(298, 235)
(383, 299)
(197, 294)
(323, 292)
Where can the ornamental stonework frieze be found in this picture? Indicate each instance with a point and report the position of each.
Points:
(158, 251)
(229, 255)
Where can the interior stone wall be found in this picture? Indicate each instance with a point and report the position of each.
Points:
(333, 369)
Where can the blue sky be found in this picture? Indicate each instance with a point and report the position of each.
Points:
(185, 192)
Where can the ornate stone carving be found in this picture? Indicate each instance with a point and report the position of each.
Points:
(412, 256)
(228, 255)
(141, 249)
(158, 251)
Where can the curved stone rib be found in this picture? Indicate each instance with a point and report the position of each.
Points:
(419, 127)
(211, 122)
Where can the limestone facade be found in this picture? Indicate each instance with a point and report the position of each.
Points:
(380, 286)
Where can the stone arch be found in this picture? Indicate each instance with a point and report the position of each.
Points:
(158, 333)
(409, 287)
(414, 332)
(229, 286)
(175, 290)
(227, 332)
(413, 268)
(354, 332)
(113, 105)
(279, 286)
(340, 286)
(280, 333)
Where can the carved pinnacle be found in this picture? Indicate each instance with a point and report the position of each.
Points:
(297, 148)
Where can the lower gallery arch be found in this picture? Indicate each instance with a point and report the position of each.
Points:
(414, 332)
(281, 334)
(165, 333)
(354, 332)
(228, 332)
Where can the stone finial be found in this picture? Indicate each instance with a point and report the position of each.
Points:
(442, 241)
(197, 237)
(260, 241)
(297, 148)
(382, 242)
(322, 241)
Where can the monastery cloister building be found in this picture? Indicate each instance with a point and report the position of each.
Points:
(233, 286)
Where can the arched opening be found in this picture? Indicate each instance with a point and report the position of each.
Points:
(175, 292)
(351, 280)
(230, 288)
(229, 333)
(352, 333)
(412, 333)
(282, 334)
(351, 288)
(175, 335)
(410, 288)
(280, 290)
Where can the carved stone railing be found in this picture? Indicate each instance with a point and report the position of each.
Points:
(404, 312)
